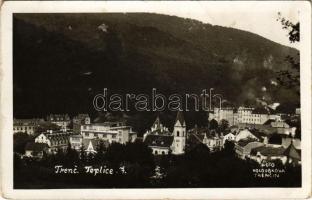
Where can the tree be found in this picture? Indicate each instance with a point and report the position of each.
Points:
(72, 156)
(213, 125)
(290, 78)
(229, 148)
(83, 155)
(99, 156)
(224, 125)
(19, 142)
(293, 28)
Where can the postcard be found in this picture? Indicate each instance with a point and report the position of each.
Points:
(156, 99)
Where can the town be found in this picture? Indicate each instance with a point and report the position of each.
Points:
(258, 134)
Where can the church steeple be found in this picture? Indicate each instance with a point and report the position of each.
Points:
(180, 119)
(157, 123)
(179, 134)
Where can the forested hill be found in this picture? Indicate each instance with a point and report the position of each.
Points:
(62, 60)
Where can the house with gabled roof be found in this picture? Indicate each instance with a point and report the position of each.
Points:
(55, 140)
(268, 153)
(244, 146)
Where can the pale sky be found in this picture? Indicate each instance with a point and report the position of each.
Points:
(254, 16)
(259, 19)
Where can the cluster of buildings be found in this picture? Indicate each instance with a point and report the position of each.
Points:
(251, 143)
(84, 135)
(28, 126)
(263, 118)
(258, 134)
(244, 115)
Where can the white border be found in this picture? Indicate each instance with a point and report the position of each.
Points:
(139, 6)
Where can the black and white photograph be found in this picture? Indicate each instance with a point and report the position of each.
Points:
(136, 96)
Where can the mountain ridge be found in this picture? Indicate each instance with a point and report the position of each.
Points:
(78, 55)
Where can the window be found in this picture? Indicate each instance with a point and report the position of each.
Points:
(156, 152)
(95, 134)
(86, 134)
(163, 152)
(178, 133)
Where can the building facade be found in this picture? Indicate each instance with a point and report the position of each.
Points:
(213, 141)
(229, 114)
(55, 140)
(248, 115)
(62, 120)
(108, 131)
(26, 125)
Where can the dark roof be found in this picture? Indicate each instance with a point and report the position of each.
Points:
(32, 146)
(257, 133)
(268, 151)
(58, 136)
(263, 128)
(292, 152)
(194, 140)
(159, 140)
(246, 141)
(180, 117)
(160, 132)
(269, 121)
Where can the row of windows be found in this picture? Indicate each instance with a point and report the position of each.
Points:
(23, 128)
(98, 134)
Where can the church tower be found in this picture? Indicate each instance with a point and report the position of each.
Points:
(179, 135)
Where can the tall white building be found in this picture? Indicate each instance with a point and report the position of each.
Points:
(228, 114)
(254, 115)
(108, 131)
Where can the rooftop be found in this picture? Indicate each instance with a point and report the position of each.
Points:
(159, 140)
(268, 151)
